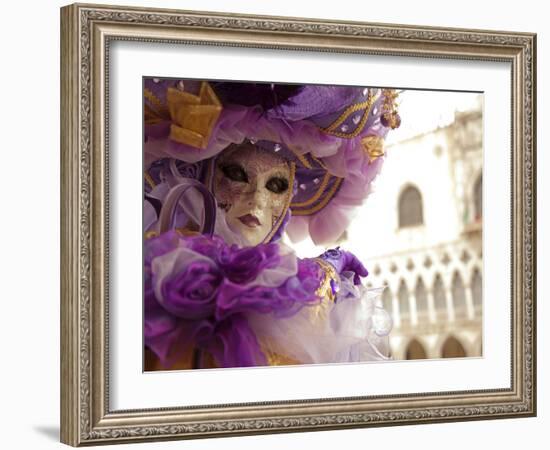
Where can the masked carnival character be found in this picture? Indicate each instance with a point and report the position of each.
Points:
(233, 171)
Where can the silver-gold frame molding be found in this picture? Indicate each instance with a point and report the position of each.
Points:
(86, 33)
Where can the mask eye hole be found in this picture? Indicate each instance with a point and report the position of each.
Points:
(278, 185)
(235, 173)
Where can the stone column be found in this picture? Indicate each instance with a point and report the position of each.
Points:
(470, 310)
(450, 305)
(413, 313)
(432, 314)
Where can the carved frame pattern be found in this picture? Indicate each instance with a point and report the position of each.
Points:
(86, 32)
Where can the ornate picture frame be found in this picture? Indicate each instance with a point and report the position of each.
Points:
(87, 414)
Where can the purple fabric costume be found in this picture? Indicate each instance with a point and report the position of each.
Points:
(239, 303)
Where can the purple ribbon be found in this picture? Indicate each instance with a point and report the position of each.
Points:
(167, 215)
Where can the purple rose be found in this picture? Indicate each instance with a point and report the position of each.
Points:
(234, 298)
(209, 246)
(283, 301)
(242, 265)
(190, 292)
(154, 247)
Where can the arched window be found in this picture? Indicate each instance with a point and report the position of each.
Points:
(410, 208)
(452, 348)
(459, 296)
(387, 300)
(415, 350)
(440, 301)
(421, 300)
(476, 289)
(403, 297)
(478, 198)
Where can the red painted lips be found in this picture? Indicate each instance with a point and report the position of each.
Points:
(250, 220)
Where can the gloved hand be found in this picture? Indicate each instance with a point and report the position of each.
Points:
(344, 261)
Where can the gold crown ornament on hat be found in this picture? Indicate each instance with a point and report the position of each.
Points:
(193, 116)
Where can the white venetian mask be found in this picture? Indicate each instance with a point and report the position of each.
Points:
(254, 187)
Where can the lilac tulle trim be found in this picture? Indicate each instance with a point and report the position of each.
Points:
(353, 328)
(199, 291)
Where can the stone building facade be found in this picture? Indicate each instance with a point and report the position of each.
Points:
(423, 226)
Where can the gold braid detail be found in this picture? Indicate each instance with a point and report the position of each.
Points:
(149, 180)
(367, 104)
(150, 234)
(323, 203)
(318, 161)
(162, 110)
(301, 158)
(314, 198)
(151, 116)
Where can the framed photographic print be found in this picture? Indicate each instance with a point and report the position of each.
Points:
(276, 225)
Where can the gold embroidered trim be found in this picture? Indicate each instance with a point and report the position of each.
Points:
(373, 146)
(323, 203)
(274, 359)
(149, 180)
(319, 312)
(318, 161)
(161, 110)
(287, 204)
(301, 158)
(367, 104)
(184, 231)
(314, 198)
(325, 288)
(150, 234)
(152, 117)
(345, 115)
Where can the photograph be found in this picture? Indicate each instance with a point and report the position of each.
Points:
(275, 225)
(290, 224)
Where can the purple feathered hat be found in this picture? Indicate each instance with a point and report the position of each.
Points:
(334, 135)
